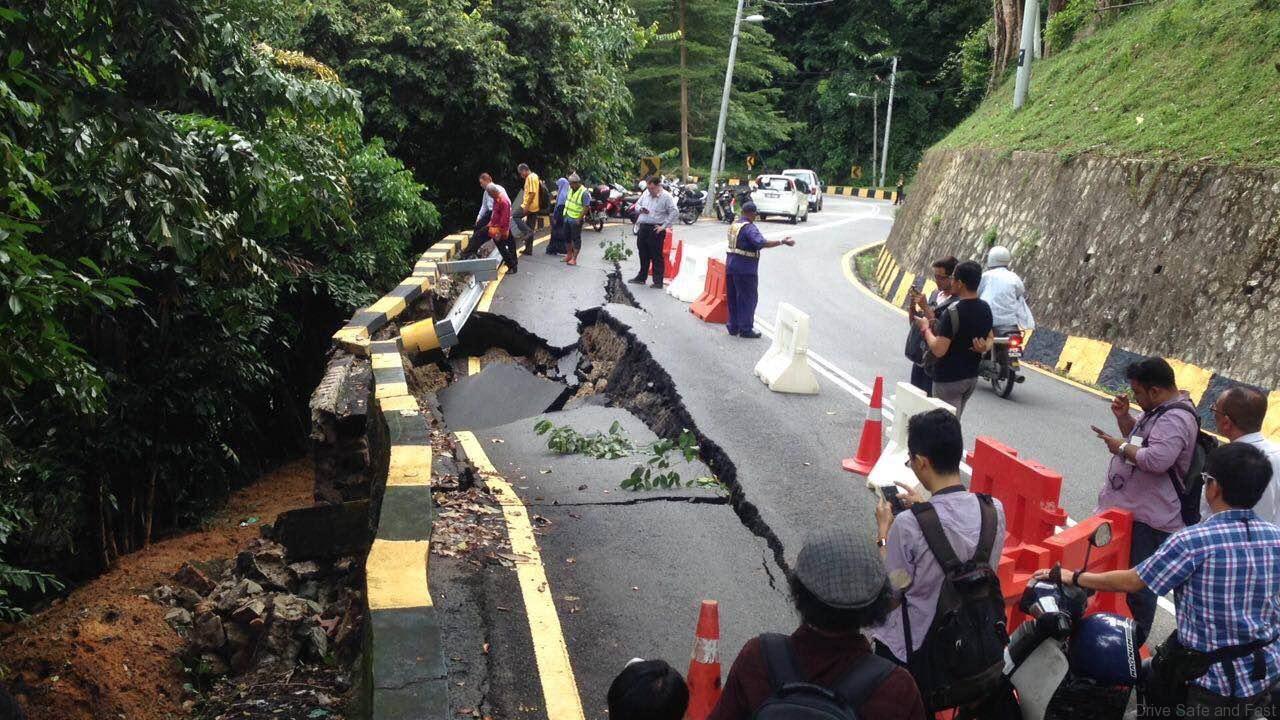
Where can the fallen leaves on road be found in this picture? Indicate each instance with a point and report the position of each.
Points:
(468, 521)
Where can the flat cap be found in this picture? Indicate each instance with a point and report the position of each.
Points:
(841, 567)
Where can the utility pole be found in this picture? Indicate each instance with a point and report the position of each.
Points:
(1030, 12)
(717, 154)
(684, 101)
(888, 118)
(875, 131)
(1039, 42)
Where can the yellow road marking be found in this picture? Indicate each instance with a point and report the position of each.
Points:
(473, 365)
(1086, 357)
(1191, 378)
(559, 688)
(389, 585)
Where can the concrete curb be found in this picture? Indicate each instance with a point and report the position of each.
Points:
(1085, 360)
(866, 193)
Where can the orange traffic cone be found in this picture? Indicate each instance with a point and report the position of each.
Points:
(704, 667)
(871, 442)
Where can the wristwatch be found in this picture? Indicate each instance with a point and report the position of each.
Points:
(882, 542)
(1123, 446)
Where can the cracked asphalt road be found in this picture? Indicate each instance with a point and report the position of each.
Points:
(627, 576)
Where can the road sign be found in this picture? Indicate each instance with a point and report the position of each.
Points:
(751, 161)
(856, 172)
(650, 166)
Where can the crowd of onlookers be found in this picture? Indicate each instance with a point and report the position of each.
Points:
(870, 635)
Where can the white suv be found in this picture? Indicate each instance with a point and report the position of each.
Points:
(810, 178)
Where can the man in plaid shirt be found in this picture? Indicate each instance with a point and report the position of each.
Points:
(1225, 574)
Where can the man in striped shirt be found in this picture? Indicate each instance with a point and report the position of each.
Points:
(1225, 574)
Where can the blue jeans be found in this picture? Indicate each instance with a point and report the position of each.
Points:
(1146, 540)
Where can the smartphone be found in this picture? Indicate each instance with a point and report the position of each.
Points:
(890, 494)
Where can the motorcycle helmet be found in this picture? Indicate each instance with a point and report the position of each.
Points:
(1104, 649)
(998, 256)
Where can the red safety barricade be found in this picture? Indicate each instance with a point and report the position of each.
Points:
(1017, 563)
(713, 305)
(670, 262)
(1069, 547)
(1028, 490)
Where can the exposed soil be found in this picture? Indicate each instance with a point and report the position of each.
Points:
(106, 650)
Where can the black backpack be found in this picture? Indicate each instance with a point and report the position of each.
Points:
(961, 661)
(1191, 487)
(795, 698)
(929, 361)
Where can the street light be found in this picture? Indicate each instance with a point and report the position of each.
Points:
(875, 127)
(717, 153)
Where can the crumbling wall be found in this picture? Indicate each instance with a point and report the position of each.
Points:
(1157, 257)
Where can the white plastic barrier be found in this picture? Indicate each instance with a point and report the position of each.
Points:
(692, 277)
(892, 467)
(785, 365)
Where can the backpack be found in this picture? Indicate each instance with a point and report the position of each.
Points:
(795, 698)
(1191, 487)
(929, 361)
(961, 660)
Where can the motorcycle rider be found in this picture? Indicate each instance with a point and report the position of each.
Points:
(1003, 290)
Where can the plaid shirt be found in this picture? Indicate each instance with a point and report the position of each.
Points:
(1225, 573)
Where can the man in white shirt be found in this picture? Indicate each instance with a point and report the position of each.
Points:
(658, 213)
(1002, 289)
(1238, 412)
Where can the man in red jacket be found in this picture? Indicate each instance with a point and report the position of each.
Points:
(500, 227)
(839, 587)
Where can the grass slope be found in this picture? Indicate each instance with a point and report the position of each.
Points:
(1191, 80)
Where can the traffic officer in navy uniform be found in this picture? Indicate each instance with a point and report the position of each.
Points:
(741, 271)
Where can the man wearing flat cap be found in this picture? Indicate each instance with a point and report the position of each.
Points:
(839, 587)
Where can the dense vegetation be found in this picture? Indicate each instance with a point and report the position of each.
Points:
(1180, 79)
(790, 104)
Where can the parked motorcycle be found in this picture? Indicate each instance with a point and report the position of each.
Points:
(724, 201)
(1003, 361)
(1066, 665)
(690, 203)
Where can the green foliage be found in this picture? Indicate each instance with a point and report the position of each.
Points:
(756, 121)
(1064, 24)
(615, 251)
(456, 88)
(1137, 88)
(655, 473)
(187, 217)
(971, 64)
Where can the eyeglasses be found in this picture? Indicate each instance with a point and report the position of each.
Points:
(910, 457)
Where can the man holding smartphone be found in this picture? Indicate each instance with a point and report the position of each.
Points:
(928, 307)
(658, 213)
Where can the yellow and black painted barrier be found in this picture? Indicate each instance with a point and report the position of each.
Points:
(860, 192)
(356, 336)
(1091, 362)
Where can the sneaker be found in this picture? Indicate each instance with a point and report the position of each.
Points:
(526, 252)
(657, 286)
(733, 333)
(637, 281)
(750, 334)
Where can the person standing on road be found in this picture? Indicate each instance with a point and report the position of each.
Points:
(1238, 413)
(839, 588)
(556, 246)
(576, 203)
(901, 195)
(928, 308)
(658, 213)
(1152, 452)
(481, 232)
(1225, 573)
(1002, 289)
(950, 668)
(529, 206)
(500, 227)
(742, 271)
(962, 335)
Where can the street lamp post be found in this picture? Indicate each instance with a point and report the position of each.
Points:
(888, 118)
(717, 154)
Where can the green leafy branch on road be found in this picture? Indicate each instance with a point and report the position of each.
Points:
(615, 251)
(655, 473)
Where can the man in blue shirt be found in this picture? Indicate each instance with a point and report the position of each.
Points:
(741, 268)
(1225, 576)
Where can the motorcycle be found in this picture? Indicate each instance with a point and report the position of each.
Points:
(603, 203)
(1002, 362)
(690, 203)
(1066, 665)
(725, 196)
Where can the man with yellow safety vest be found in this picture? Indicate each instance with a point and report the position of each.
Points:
(575, 207)
(742, 265)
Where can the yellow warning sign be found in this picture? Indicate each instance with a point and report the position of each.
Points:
(650, 166)
(856, 172)
(751, 161)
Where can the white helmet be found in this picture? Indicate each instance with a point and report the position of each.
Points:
(998, 256)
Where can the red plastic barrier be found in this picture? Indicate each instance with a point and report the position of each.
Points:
(1069, 547)
(1028, 490)
(670, 263)
(713, 305)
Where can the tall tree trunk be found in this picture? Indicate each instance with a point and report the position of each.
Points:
(1008, 27)
(684, 100)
